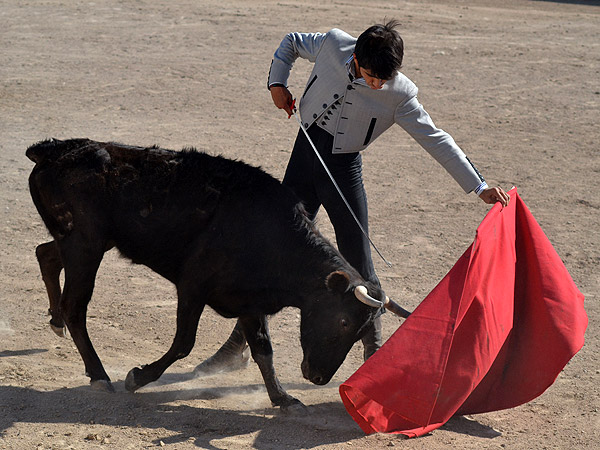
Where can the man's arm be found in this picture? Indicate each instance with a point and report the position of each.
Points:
(414, 119)
(292, 47)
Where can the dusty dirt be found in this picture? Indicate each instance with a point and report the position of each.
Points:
(515, 82)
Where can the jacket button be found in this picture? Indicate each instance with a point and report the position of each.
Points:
(349, 87)
(306, 125)
(336, 96)
(324, 105)
(315, 116)
(323, 123)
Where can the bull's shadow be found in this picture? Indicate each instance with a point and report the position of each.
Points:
(154, 410)
(326, 423)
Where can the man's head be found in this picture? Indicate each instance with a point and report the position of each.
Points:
(379, 50)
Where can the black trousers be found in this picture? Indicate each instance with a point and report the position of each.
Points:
(307, 178)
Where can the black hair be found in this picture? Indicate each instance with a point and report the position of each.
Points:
(380, 49)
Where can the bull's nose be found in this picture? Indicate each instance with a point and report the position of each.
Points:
(318, 379)
(304, 368)
(310, 376)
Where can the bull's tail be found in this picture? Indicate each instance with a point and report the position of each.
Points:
(52, 149)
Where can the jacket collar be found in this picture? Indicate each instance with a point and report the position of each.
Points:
(351, 68)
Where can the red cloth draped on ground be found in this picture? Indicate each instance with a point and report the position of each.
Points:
(494, 334)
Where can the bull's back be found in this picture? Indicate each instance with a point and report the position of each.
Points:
(157, 206)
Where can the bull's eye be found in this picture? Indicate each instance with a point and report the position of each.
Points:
(344, 323)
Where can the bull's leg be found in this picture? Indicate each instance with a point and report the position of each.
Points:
(50, 267)
(233, 355)
(81, 262)
(256, 330)
(189, 309)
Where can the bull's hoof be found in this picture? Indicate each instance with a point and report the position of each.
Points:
(223, 361)
(60, 331)
(130, 382)
(102, 385)
(294, 407)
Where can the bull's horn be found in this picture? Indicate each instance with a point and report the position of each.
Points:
(361, 293)
(394, 307)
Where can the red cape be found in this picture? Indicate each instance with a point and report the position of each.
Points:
(494, 334)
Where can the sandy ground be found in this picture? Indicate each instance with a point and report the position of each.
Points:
(515, 82)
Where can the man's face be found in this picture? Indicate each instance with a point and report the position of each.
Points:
(372, 81)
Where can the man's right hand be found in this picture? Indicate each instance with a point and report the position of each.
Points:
(282, 98)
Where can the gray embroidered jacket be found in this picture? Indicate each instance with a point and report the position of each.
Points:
(364, 113)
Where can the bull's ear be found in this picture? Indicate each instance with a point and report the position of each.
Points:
(338, 281)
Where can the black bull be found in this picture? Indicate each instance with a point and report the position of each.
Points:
(227, 235)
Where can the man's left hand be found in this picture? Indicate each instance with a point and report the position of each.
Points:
(495, 194)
